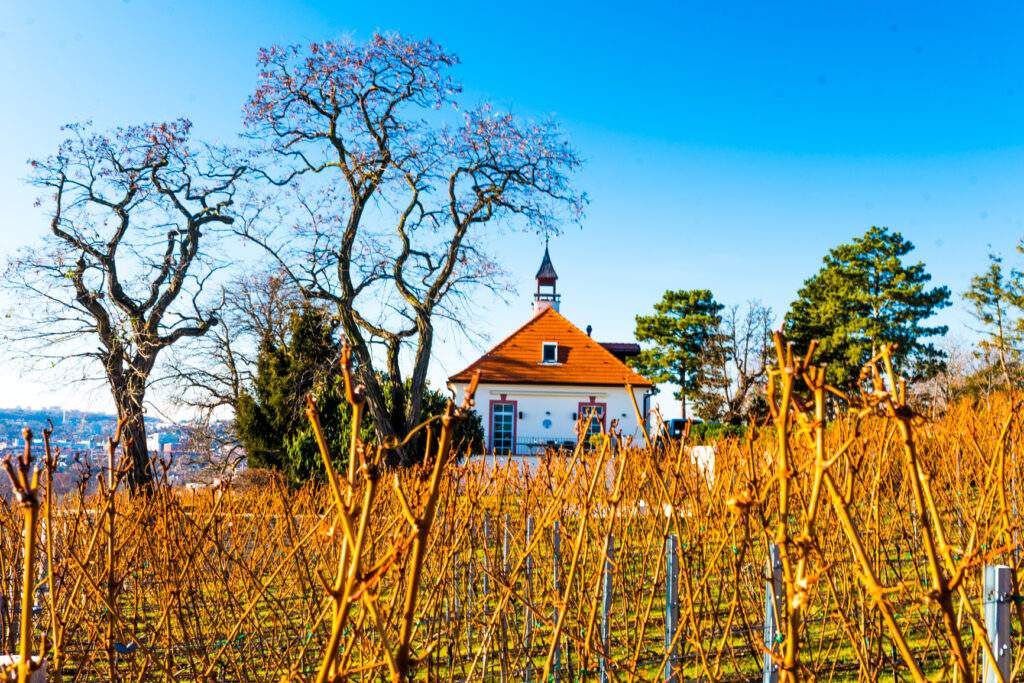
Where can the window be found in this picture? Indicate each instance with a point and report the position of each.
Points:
(503, 427)
(592, 416)
(549, 352)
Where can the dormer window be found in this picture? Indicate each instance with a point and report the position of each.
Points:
(549, 353)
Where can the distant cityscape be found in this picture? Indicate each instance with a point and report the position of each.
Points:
(80, 439)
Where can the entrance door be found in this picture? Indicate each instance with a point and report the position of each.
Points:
(592, 415)
(503, 427)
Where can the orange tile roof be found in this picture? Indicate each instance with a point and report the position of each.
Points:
(581, 360)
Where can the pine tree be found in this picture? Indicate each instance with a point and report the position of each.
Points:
(865, 295)
(681, 332)
(996, 299)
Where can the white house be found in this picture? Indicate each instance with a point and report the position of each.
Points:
(548, 381)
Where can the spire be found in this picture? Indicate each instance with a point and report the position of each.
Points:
(546, 270)
(547, 295)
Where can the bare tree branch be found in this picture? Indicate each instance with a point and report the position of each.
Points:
(127, 263)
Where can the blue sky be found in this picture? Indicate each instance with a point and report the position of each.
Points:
(727, 145)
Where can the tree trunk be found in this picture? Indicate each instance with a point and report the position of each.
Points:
(130, 397)
(418, 385)
(140, 472)
(682, 393)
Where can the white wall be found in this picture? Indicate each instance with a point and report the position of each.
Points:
(538, 403)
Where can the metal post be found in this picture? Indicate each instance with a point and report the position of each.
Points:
(772, 608)
(671, 605)
(997, 594)
(1016, 540)
(556, 543)
(506, 541)
(487, 554)
(528, 570)
(506, 569)
(606, 608)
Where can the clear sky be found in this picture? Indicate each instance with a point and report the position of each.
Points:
(727, 145)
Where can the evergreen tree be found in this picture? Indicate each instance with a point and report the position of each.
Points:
(865, 295)
(682, 331)
(996, 298)
(271, 422)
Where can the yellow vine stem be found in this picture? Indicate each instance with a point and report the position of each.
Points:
(56, 628)
(25, 483)
(786, 374)
(613, 513)
(403, 657)
(581, 537)
(895, 406)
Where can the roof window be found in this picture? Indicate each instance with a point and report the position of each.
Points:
(549, 353)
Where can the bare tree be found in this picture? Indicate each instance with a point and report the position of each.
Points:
(735, 365)
(387, 202)
(211, 450)
(256, 308)
(124, 271)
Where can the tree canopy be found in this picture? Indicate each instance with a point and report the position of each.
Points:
(733, 372)
(996, 297)
(677, 338)
(867, 294)
(124, 273)
(386, 202)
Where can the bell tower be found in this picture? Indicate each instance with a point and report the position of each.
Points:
(547, 292)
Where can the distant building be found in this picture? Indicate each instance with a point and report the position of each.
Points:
(162, 443)
(549, 382)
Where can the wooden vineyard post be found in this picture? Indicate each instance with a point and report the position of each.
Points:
(606, 608)
(487, 548)
(671, 605)
(997, 594)
(772, 602)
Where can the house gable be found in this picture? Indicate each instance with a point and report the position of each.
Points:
(518, 359)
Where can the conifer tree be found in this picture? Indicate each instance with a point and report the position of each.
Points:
(996, 299)
(866, 295)
(271, 422)
(681, 332)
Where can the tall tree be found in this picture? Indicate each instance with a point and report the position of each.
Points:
(735, 363)
(122, 274)
(385, 202)
(865, 295)
(681, 333)
(211, 375)
(996, 298)
(270, 419)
